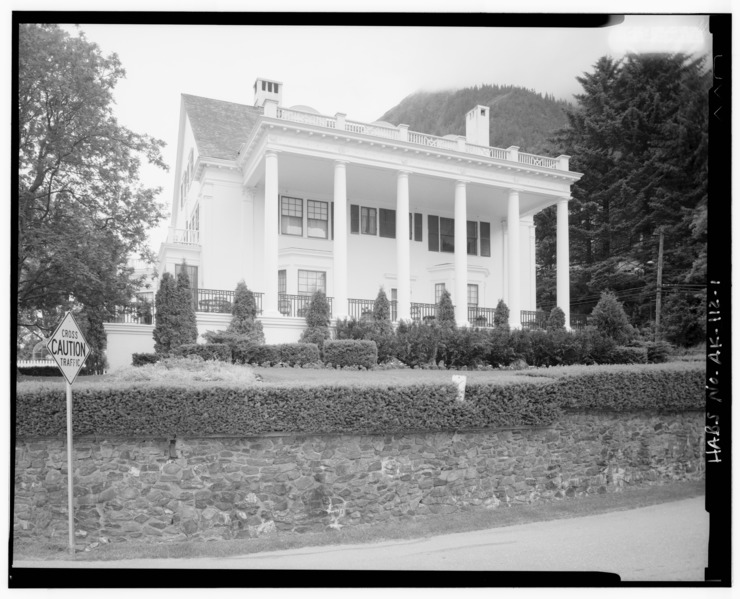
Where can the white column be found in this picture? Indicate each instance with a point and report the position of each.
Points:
(403, 246)
(563, 260)
(340, 308)
(270, 299)
(460, 296)
(512, 234)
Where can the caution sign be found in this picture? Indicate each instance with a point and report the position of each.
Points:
(68, 347)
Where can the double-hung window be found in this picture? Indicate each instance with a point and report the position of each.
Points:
(368, 221)
(473, 296)
(447, 234)
(291, 216)
(438, 289)
(472, 238)
(318, 219)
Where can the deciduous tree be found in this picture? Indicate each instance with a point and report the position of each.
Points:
(81, 209)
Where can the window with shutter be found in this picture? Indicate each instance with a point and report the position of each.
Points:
(354, 219)
(485, 239)
(433, 222)
(417, 227)
(387, 223)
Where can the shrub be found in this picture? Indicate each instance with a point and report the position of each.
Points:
(416, 343)
(500, 349)
(596, 348)
(175, 324)
(556, 347)
(627, 355)
(293, 354)
(631, 388)
(501, 316)
(160, 409)
(463, 347)
(318, 317)
(556, 320)
(244, 315)
(143, 359)
(210, 351)
(350, 352)
(185, 371)
(445, 310)
(658, 352)
(610, 319)
(40, 371)
(684, 319)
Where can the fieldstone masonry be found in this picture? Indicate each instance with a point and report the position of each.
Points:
(225, 488)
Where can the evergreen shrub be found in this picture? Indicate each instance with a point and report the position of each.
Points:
(350, 352)
(627, 355)
(292, 354)
(658, 351)
(464, 347)
(318, 317)
(417, 343)
(40, 371)
(501, 316)
(144, 358)
(610, 319)
(210, 351)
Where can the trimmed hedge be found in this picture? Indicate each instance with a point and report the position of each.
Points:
(144, 359)
(657, 387)
(229, 410)
(210, 351)
(40, 371)
(351, 352)
(207, 409)
(293, 354)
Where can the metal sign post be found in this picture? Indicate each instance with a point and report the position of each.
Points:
(69, 349)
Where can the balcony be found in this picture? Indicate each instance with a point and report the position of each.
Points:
(184, 237)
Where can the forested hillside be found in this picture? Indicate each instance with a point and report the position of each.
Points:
(638, 133)
(519, 117)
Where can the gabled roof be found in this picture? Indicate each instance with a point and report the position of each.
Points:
(219, 127)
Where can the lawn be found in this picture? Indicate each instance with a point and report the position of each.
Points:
(400, 376)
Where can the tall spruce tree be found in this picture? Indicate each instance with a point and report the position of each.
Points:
(638, 135)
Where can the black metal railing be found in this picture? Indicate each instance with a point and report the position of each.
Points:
(533, 319)
(135, 313)
(423, 312)
(297, 305)
(217, 301)
(480, 317)
(359, 308)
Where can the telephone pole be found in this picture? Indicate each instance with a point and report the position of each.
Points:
(659, 287)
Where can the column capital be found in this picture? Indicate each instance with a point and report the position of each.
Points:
(515, 189)
(461, 182)
(250, 193)
(271, 152)
(340, 162)
(564, 198)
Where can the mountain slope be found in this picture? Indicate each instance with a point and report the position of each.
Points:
(519, 117)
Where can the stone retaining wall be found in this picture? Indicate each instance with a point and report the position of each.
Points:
(217, 488)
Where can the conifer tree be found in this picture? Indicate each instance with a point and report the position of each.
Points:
(318, 317)
(610, 319)
(175, 322)
(501, 316)
(244, 321)
(556, 320)
(445, 310)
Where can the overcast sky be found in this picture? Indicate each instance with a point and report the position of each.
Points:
(361, 71)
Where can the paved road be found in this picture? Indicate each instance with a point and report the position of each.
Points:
(666, 542)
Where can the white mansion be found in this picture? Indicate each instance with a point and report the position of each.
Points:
(292, 201)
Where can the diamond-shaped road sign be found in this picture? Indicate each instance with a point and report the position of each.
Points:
(68, 347)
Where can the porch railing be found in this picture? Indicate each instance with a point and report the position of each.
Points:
(184, 236)
(480, 317)
(297, 305)
(423, 312)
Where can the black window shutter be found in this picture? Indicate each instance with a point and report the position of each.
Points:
(387, 223)
(332, 220)
(417, 227)
(354, 218)
(411, 226)
(485, 239)
(433, 233)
